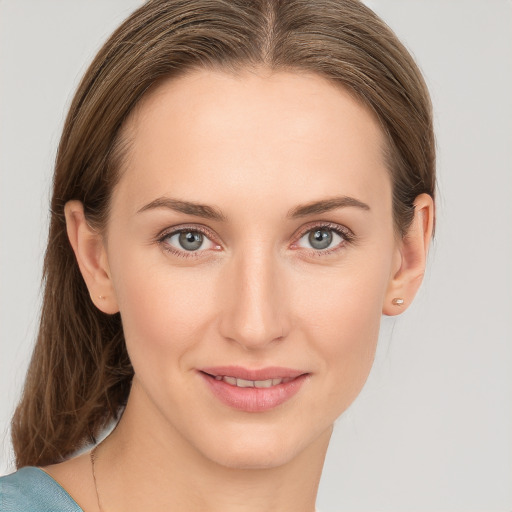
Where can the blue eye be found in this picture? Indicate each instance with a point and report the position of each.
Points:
(323, 238)
(186, 240)
(190, 240)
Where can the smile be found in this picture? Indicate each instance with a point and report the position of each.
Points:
(253, 390)
(243, 383)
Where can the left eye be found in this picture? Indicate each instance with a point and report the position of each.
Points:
(321, 238)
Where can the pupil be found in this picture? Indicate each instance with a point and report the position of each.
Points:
(320, 239)
(191, 240)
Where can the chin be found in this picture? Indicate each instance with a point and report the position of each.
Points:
(262, 449)
(254, 459)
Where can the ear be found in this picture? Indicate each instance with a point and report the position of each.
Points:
(411, 258)
(89, 249)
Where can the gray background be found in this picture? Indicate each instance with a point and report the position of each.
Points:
(432, 430)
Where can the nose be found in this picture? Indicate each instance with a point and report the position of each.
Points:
(254, 300)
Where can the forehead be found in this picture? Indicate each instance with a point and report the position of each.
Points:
(258, 134)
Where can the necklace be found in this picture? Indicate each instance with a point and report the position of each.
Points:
(93, 460)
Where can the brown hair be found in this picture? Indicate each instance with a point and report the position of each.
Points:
(80, 374)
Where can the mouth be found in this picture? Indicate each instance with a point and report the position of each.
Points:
(253, 390)
(243, 383)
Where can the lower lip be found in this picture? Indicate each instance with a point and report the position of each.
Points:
(253, 399)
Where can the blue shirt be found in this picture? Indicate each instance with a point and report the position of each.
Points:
(30, 489)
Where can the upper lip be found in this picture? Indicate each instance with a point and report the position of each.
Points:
(271, 372)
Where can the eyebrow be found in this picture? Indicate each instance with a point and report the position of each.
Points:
(326, 205)
(213, 213)
(190, 208)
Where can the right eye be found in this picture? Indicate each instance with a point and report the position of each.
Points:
(186, 242)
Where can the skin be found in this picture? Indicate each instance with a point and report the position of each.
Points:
(256, 294)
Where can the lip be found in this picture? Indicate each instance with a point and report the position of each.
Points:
(253, 399)
(271, 372)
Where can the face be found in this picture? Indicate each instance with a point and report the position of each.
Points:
(250, 237)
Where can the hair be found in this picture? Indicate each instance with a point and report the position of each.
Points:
(80, 374)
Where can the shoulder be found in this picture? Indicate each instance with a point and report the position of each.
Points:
(30, 489)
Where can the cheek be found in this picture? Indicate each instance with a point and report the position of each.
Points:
(343, 303)
(163, 309)
(344, 313)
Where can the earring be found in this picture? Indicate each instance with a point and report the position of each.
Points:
(101, 297)
(398, 301)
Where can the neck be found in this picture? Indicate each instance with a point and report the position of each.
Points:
(159, 470)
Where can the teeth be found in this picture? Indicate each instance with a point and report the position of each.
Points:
(243, 383)
(265, 383)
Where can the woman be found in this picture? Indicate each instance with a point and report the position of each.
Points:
(242, 189)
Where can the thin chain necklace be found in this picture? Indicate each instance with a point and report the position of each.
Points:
(93, 460)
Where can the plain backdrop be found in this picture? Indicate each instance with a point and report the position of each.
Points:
(432, 429)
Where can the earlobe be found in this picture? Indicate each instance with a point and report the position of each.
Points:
(412, 255)
(91, 256)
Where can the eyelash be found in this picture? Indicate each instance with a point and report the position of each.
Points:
(345, 233)
(185, 229)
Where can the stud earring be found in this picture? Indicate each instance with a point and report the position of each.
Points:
(398, 301)
(101, 297)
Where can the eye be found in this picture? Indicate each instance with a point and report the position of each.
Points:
(186, 241)
(324, 238)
